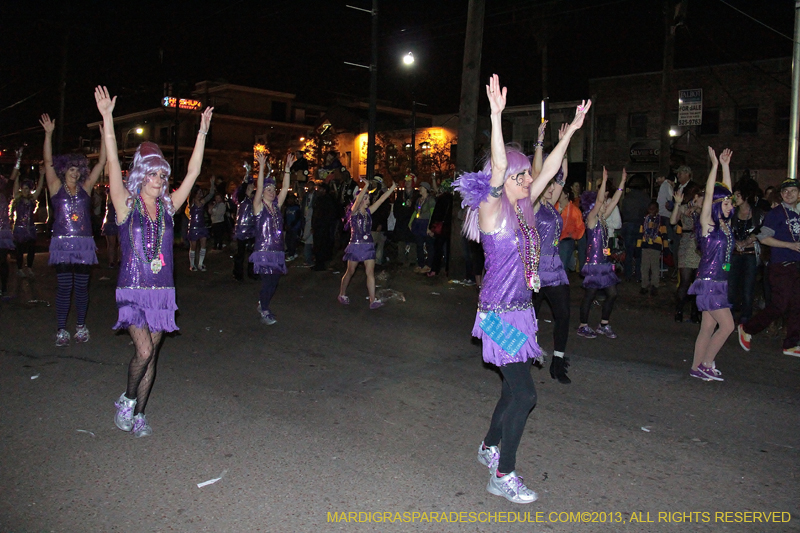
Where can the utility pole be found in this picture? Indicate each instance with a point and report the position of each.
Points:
(373, 94)
(793, 125)
(666, 86)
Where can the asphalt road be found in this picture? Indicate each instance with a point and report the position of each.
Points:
(340, 409)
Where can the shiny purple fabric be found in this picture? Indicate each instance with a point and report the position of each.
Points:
(549, 225)
(145, 299)
(245, 220)
(361, 247)
(72, 241)
(711, 284)
(110, 221)
(504, 292)
(24, 227)
(197, 223)
(598, 272)
(6, 235)
(268, 256)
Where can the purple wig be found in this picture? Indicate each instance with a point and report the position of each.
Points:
(474, 189)
(148, 159)
(588, 199)
(62, 163)
(721, 193)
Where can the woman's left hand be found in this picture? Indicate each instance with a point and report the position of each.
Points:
(205, 119)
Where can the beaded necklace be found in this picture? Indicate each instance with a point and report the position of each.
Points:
(73, 202)
(726, 230)
(152, 234)
(528, 249)
(604, 234)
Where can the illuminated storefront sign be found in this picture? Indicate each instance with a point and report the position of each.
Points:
(183, 103)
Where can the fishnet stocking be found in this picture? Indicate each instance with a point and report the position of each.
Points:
(142, 369)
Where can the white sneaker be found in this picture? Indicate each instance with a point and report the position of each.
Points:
(140, 426)
(489, 456)
(123, 418)
(511, 487)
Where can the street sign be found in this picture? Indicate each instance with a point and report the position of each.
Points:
(690, 107)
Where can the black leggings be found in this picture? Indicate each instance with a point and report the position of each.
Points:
(558, 298)
(608, 304)
(22, 248)
(269, 284)
(511, 413)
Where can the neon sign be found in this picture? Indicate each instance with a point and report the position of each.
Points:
(183, 103)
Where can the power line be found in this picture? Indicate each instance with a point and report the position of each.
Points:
(756, 20)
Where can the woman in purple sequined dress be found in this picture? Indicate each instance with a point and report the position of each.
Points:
(269, 257)
(6, 234)
(361, 248)
(145, 288)
(501, 217)
(72, 247)
(716, 242)
(555, 284)
(197, 229)
(23, 209)
(599, 271)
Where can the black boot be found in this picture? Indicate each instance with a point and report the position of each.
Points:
(558, 369)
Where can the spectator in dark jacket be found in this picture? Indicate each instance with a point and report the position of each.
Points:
(633, 209)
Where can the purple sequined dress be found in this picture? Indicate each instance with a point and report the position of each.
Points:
(72, 241)
(598, 271)
(268, 256)
(6, 235)
(24, 227)
(197, 223)
(145, 298)
(549, 225)
(711, 284)
(505, 293)
(361, 247)
(245, 220)
(110, 221)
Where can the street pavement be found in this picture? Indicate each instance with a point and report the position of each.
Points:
(341, 409)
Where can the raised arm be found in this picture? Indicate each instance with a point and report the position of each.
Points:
(212, 190)
(385, 196)
(591, 218)
(287, 176)
(725, 163)
(708, 199)
(39, 184)
(559, 185)
(360, 197)
(258, 199)
(17, 165)
(676, 211)
(117, 191)
(537, 153)
(53, 183)
(97, 171)
(195, 162)
(617, 195)
(489, 208)
(553, 162)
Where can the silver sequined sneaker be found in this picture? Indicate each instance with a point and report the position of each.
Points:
(511, 487)
(605, 329)
(140, 426)
(489, 456)
(82, 334)
(62, 338)
(267, 318)
(123, 418)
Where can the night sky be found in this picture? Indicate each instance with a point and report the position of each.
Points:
(299, 46)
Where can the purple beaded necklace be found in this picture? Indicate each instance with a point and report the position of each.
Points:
(528, 249)
(152, 234)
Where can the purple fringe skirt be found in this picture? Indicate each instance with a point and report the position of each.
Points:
(195, 234)
(359, 252)
(73, 250)
(711, 295)
(152, 308)
(268, 262)
(6, 239)
(599, 276)
(525, 321)
(24, 233)
(551, 271)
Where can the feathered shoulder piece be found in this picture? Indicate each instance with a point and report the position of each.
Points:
(473, 188)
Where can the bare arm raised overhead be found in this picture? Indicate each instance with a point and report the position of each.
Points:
(705, 213)
(195, 162)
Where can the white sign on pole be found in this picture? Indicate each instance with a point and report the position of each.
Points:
(690, 107)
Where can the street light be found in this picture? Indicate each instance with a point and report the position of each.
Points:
(408, 61)
(138, 130)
